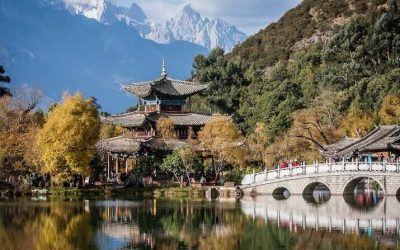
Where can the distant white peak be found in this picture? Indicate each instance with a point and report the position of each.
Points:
(89, 8)
(189, 25)
(189, 11)
(137, 13)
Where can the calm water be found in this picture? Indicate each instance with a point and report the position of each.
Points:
(315, 222)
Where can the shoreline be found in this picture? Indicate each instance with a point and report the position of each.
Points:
(99, 192)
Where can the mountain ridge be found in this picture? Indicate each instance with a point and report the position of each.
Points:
(187, 25)
(54, 51)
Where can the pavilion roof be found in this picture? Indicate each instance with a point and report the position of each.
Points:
(160, 144)
(127, 120)
(183, 119)
(380, 138)
(120, 145)
(346, 141)
(164, 86)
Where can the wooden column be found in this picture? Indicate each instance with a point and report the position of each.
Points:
(116, 165)
(108, 166)
(126, 165)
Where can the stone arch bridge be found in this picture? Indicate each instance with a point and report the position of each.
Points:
(339, 177)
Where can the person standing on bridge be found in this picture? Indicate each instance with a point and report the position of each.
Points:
(381, 157)
(283, 165)
(335, 157)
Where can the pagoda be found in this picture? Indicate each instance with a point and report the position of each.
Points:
(161, 98)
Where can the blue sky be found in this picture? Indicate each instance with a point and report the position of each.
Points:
(248, 15)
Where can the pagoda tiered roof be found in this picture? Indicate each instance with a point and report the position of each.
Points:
(164, 86)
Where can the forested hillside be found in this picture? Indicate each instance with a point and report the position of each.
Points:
(326, 69)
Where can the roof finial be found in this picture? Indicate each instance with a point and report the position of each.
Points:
(164, 70)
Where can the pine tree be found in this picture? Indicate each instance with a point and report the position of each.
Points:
(4, 79)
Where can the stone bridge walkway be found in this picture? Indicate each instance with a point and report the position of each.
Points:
(339, 177)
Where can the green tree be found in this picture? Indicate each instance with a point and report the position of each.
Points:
(225, 79)
(188, 157)
(67, 141)
(4, 79)
(172, 163)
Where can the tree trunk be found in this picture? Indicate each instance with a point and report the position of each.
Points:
(188, 176)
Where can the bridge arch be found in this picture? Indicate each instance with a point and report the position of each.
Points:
(281, 193)
(398, 193)
(350, 185)
(310, 187)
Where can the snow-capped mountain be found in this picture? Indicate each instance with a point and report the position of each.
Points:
(89, 8)
(189, 25)
(44, 46)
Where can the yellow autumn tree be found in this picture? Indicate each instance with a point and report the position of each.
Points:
(19, 123)
(288, 148)
(390, 110)
(67, 141)
(165, 128)
(110, 130)
(258, 142)
(222, 139)
(357, 122)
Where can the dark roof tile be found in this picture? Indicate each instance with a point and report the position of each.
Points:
(171, 87)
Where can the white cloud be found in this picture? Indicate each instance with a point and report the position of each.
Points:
(248, 15)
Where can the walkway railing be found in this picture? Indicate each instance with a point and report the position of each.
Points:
(319, 168)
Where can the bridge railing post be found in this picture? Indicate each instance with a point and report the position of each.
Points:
(265, 174)
(330, 165)
(357, 164)
(344, 164)
(254, 176)
(279, 171)
(304, 168)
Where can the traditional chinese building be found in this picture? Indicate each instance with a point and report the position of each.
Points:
(382, 141)
(161, 98)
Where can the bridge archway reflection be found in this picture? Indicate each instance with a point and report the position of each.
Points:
(337, 215)
(281, 193)
(316, 193)
(362, 183)
(363, 193)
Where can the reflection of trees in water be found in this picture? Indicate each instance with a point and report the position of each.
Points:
(166, 224)
(52, 226)
(219, 227)
(311, 239)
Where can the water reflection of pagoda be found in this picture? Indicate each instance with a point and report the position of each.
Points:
(161, 98)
